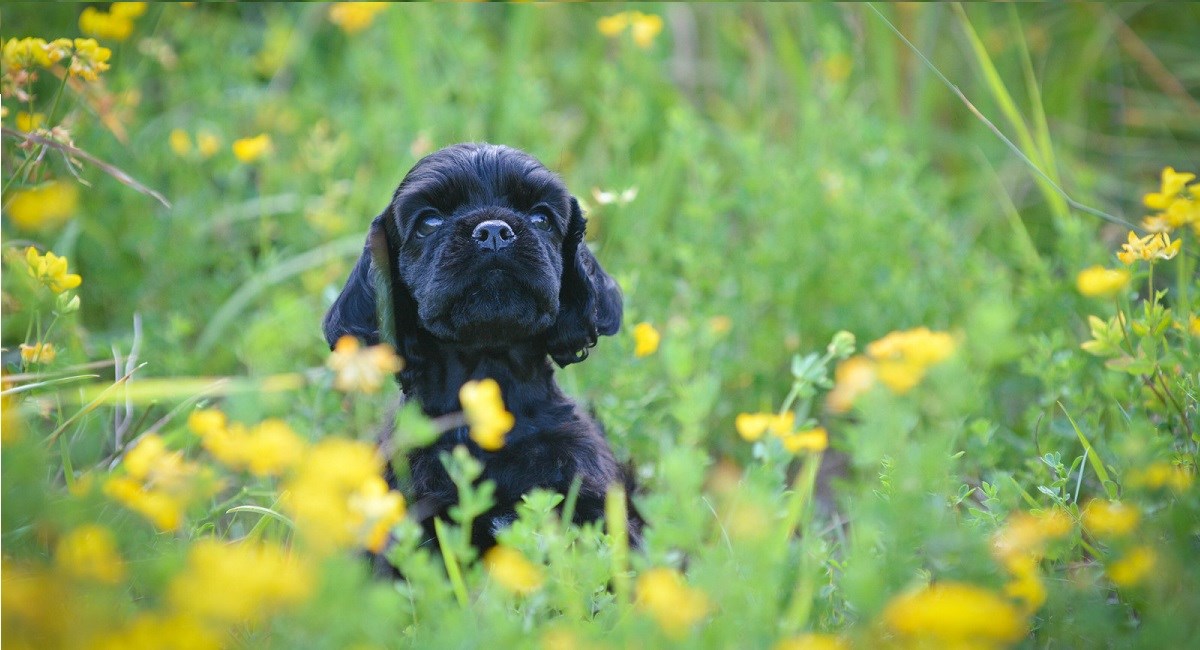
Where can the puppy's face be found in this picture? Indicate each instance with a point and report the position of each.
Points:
(480, 246)
(481, 237)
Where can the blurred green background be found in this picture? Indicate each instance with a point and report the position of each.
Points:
(798, 171)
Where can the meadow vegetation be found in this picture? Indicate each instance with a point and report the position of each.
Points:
(909, 358)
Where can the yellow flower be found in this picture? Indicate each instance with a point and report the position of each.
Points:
(1158, 475)
(852, 378)
(206, 421)
(1110, 518)
(1025, 534)
(90, 59)
(128, 9)
(44, 206)
(375, 510)
(180, 142)
(644, 27)
(207, 144)
(752, 426)
(353, 17)
(26, 53)
(58, 49)
(903, 357)
(1155, 246)
(148, 630)
(38, 353)
(954, 614)
(1026, 585)
(268, 449)
(674, 605)
(612, 26)
(162, 509)
(1135, 565)
(512, 571)
(484, 410)
(51, 270)
(813, 642)
(235, 584)
(159, 484)
(105, 25)
(338, 499)
(249, 150)
(811, 440)
(1099, 282)
(645, 340)
(27, 122)
(362, 370)
(1171, 184)
(90, 552)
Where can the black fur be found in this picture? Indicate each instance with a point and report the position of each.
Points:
(456, 311)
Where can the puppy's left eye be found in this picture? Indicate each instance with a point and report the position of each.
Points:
(539, 220)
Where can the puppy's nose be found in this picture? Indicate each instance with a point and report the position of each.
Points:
(493, 235)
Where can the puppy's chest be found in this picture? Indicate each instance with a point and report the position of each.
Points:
(533, 457)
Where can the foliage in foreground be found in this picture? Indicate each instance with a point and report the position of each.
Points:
(1002, 476)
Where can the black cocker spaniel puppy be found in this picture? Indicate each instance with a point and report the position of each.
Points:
(477, 268)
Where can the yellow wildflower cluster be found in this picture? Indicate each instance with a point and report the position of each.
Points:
(485, 413)
(1099, 282)
(1020, 545)
(88, 58)
(953, 614)
(29, 122)
(267, 449)
(159, 484)
(353, 17)
(645, 340)
(1132, 567)
(338, 498)
(115, 24)
(813, 642)
(676, 607)
(899, 361)
(1113, 522)
(364, 370)
(251, 149)
(28, 53)
(237, 583)
(513, 571)
(752, 426)
(207, 143)
(1107, 519)
(643, 27)
(43, 206)
(51, 270)
(1159, 475)
(38, 353)
(1178, 204)
(1155, 246)
(90, 552)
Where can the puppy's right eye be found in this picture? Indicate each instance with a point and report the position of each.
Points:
(428, 224)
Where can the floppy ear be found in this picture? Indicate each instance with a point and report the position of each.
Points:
(374, 305)
(589, 300)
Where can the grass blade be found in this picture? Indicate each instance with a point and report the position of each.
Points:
(1093, 458)
(452, 569)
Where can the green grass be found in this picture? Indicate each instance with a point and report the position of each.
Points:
(799, 170)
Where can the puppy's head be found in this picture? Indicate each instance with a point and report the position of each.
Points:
(481, 246)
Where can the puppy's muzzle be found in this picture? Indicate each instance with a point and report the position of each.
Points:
(493, 235)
